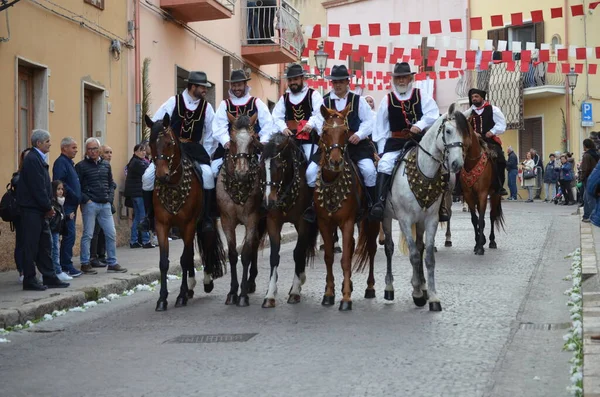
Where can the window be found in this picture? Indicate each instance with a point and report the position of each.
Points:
(531, 137)
(88, 115)
(25, 106)
(31, 100)
(528, 32)
(96, 3)
(93, 118)
(555, 41)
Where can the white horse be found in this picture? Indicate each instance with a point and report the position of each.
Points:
(441, 146)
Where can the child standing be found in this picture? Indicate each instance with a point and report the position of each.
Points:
(57, 227)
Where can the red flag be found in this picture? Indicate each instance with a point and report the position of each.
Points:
(433, 54)
(537, 16)
(358, 73)
(556, 12)
(435, 27)
(381, 52)
(597, 52)
(565, 68)
(497, 20)
(562, 54)
(544, 56)
(451, 55)
(592, 68)
(580, 53)
(369, 74)
(354, 29)
(370, 87)
(414, 28)
(486, 56)
(380, 87)
(363, 50)
(420, 76)
(577, 10)
(510, 66)
(328, 48)
(381, 60)
(551, 67)
(453, 74)
(524, 67)
(316, 32)
(334, 30)
(306, 52)
(444, 62)
(432, 75)
(484, 66)
(379, 74)
(352, 86)
(347, 48)
(311, 44)
(356, 57)
(415, 53)
(525, 57)
(374, 29)
(516, 18)
(470, 55)
(394, 28)
(507, 56)
(406, 58)
(476, 23)
(442, 75)
(594, 4)
(455, 25)
(369, 57)
(458, 63)
(579, 68)
(431, 62)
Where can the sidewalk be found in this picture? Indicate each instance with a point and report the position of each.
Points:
(18, 306)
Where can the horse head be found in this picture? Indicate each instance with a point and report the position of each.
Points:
(278, 163)
(244, 144)
(334, 138)
(164, 145)
(453, 135)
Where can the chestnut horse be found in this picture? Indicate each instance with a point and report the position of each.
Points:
(286, 197)
(178, 201)
(239, 195)
(339, 197)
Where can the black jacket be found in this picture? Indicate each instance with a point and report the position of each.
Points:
(57, 222)
(513, 162)
(133, 182)
(35, 188)
(96, 181)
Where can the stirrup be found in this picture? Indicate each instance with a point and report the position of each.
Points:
(443, 214)
(310, 214)
(377, 211)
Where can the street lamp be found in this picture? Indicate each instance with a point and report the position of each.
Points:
(321, 59)
(572, 81)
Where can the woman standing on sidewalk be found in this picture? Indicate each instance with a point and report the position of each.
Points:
(565, 179)
(528, 165)
(133, 190)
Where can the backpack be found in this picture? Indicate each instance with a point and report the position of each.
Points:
(9, 208)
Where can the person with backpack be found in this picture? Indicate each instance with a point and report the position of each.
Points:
(58, 227)
(588, 163)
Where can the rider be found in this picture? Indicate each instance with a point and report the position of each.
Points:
(488, 122)
(297, 111)
(404, 113)
(191, 121)
(360, 124)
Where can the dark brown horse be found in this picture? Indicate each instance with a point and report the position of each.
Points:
(339, 198)
(476, 179)
(239, 196)
(286, 196)
(177, 200)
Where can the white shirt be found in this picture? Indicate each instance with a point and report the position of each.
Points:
(191, 104)
(279, 110)
(499, 119)
(221, 122)
(148, 178)
(364, 114)
(382, 130)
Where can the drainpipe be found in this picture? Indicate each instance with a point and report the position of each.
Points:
(567, 102)
(138, 85)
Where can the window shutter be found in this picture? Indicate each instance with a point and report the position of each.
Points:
(539, 34)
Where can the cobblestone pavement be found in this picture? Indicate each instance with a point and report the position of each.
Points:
(491, 339)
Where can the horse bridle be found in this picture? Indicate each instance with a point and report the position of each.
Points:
(447, 146)
(329, 149)
(169, 159)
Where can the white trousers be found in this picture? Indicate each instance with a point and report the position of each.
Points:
(208, 180)
(387, 162)
(215, 166)
(307, 152)
(366, 167)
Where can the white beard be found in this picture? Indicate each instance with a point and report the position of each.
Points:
(403, 89)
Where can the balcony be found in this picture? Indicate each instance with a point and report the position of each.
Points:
(199, 10)
(271, 33)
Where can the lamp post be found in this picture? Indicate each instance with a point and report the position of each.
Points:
(572, 81)
(321, 61)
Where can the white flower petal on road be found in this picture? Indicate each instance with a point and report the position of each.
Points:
(173, 277)
(77, 309)
(536, 378)
(29, 324)
(3, 331)
(4, 340)
(112, 297)
(128, 293)
(58, 313)
(18, 327)
(154, 283)
(103, 300)
(89, 304)
(142, 287)
(47, 317)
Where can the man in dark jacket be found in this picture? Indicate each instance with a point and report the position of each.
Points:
(512, 168)
(97, 194)
(35, 200)
(64, 171)
(588, 163)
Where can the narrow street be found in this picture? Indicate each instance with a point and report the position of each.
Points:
(499, 334)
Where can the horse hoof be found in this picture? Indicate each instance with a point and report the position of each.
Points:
(345, 306)
(434, 249)
(190, 293)
(425, 294)
(337, 250)
(268, 303)
(388, 295)
(251, 287)
(161, 306)
(369, 293)
(209, 287)
(435, 307)
(448, 244)
(328, 300)
(420, 302)
(232, 299)
(479, 251)
(181, 301)
(243, 301)
(293, 299)
(381, 242)
(493, 245)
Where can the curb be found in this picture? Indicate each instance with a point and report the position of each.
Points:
(34, 310)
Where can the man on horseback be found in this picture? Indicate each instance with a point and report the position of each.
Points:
(360, 125)
(297, 111)
(488, 122)
(403, 116)
(191, 121)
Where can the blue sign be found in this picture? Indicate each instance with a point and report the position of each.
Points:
(587, 119)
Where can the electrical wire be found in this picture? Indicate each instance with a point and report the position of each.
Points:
(6, 39)
(4, 4)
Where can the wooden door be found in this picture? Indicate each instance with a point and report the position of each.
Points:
(25, 94)
(531, 137)
(88, 115)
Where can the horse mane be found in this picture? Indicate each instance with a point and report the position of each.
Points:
(156, 129)
(462, 124)
(270, 148)
(242, 122)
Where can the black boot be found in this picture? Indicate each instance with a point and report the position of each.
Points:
(444, 215)
(501, 179)
(309, 214)
(378, 209)
(207, 220)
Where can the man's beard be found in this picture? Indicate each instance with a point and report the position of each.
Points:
(477, 104)
(403, 88)
(295, 88)
(239, 93)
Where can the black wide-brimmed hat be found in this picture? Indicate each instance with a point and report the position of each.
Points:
(339, 72)
(198, 78)
(238, 76)
(477, 91)
(402, 69)
(294, 70)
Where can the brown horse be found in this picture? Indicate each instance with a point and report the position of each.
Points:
(339, 197)
(239, 194)
(177, 200)
(286, 196)
(476, 179)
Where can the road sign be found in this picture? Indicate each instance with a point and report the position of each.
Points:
(587, 119)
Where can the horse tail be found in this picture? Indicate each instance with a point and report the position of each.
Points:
(311, 246)
(212, 252)
(496, 213)
(262, 232)
(403, 245)
(361, 254)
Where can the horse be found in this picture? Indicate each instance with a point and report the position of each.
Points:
(415, 197)
(178, 201)
(286, 196)
(477, 184)
(448, 201)
(239, 195)
(339, 198)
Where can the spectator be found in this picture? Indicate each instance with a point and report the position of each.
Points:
(550, 178)
(133, 190)
(14, 181)
(35, 200)
(571, 160)
(98, 244)
(97, 192)
(565, 178)
(588, 163)
(539, 173)
(595, 137)
(528, 165)
(593, 190)
(512, 168)
(64, 170)
(57, 227)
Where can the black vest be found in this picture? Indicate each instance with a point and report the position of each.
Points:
(483, 122)
(249, 109)
(188, 124)
(353, 118)
(403, 114)
(301, 111)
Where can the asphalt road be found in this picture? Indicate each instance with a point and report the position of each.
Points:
(491, 339)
